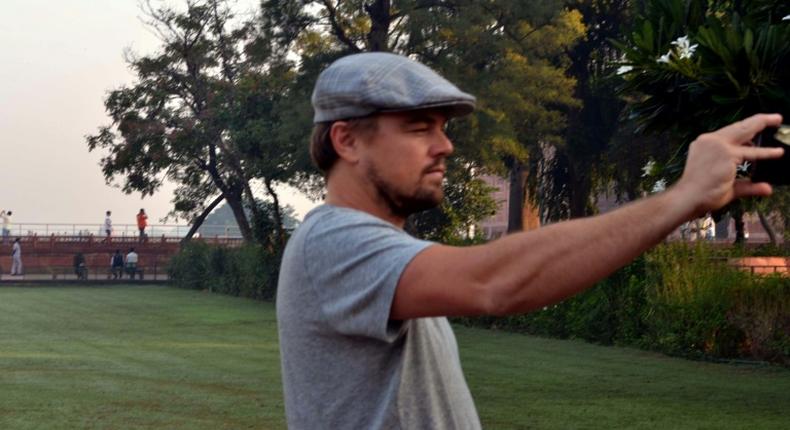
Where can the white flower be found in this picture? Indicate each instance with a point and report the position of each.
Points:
(681, 42)
(684, 48)
(622, 70)
(744, 167)
(648, 168)
(660, 185)
(664, 58)
(787, 18)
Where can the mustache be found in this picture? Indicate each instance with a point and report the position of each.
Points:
(438, 165)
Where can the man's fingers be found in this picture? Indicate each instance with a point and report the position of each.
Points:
(754, 153)
(747, 188)
(743, 131)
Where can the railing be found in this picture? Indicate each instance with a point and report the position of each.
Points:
(119, 230)
(150, 272)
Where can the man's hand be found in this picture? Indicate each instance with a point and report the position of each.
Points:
(709, 178)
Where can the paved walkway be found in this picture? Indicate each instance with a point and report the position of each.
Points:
(47, 277)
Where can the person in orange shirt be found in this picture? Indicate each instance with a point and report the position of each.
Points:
(142, 223)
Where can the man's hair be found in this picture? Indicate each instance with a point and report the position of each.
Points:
(131, 249)
(321, 150)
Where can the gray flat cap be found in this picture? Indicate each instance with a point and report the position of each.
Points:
(361, 84)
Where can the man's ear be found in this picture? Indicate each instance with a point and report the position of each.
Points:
(344, 141)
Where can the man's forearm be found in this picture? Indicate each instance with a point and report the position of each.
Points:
(533, 269)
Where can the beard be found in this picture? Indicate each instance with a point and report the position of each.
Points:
(401, 204)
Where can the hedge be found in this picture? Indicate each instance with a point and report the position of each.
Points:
(676, 299)
(247, 271)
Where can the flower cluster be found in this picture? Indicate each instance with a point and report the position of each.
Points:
(683, 49)
(648, 169)
(659, 186)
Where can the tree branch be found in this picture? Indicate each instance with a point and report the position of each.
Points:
(198, 221)
(337, 29)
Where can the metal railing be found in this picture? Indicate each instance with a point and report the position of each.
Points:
(119, 230)
(149, 272)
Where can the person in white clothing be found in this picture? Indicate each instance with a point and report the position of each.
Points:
(6, 216)
(131, 263)
(107, 226)
(16, 258)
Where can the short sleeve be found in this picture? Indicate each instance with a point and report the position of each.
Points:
(354, 262)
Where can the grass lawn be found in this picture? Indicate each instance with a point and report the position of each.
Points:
(156, 357)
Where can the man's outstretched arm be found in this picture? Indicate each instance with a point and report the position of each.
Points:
(529, 270)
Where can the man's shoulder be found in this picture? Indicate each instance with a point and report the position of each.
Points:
(332, 233)
(328, 219)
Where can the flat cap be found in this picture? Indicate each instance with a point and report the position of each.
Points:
(362, 84)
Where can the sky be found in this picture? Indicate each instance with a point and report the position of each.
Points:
(59, 60)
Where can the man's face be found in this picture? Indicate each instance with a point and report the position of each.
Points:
(404, 159)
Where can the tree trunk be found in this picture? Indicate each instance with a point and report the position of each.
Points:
(198, 221)
(237, 206)
(579, 193)
(767, 227)
(380, 17)
(278, 217)
(515, 215)
(737, 215)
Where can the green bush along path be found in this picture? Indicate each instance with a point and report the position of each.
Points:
(157, 357)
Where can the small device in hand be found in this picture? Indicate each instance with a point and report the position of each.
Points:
(776, 171)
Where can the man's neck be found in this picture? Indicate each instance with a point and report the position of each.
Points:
(343, 190)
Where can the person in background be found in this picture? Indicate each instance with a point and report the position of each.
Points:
(142, 223)
(107, 226)
(116, 264)
(80, 268)
(6, 216)
(131, 263)
(16, 258)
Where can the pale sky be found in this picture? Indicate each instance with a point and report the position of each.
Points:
(59, 59)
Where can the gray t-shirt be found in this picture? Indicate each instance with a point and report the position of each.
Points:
(345, 364)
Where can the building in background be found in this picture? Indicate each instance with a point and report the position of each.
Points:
(496, 226)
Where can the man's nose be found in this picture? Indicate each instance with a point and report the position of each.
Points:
(443, 146)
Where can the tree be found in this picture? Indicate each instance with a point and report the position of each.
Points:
(509, 54)
(696, 65)
(202, 114)
(594, 120)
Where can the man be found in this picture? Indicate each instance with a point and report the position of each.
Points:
(361, 305)
(107, 226)
(131, 263)
(6, 225)
(142, 223)
(116, 264)
(80, 266)
(16, 258)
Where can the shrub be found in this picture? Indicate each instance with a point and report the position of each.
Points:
(250, 270)
(679, 299)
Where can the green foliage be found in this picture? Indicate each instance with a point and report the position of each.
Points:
(738, 67)
(693, 66)
(677, 299)
(467, 200)
(250, 270)
(202, 113)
